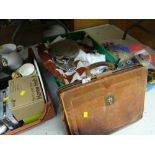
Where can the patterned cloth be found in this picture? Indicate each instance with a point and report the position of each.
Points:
(80, 62)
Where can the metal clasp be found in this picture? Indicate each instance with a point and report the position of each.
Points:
(109, 99)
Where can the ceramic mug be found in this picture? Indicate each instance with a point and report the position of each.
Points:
(27, 69)
(10, 56)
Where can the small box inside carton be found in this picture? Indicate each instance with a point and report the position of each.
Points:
(26, 97)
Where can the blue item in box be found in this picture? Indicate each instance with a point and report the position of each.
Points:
(150, 87)
(120, 47)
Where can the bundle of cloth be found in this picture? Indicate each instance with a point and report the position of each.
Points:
(81, 61)
(67, 59)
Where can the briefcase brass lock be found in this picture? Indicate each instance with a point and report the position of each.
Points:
(109, 99)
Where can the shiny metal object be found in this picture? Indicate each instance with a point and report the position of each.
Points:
(63, 53)
(109, 100)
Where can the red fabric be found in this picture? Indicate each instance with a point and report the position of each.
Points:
(81, 70)
(151, 58)
(136, 47)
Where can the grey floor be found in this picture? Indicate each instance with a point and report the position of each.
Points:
(55, 125)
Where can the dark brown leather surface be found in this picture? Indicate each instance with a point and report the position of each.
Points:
(128, 89)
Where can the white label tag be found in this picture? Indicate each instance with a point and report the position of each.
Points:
(86, 80)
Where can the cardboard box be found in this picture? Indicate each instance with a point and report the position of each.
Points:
(26, 97)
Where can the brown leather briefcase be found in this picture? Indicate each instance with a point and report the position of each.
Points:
(106, 103)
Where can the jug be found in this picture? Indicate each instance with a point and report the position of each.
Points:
(10, 57)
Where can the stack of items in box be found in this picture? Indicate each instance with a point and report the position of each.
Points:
(70, 58)
(21, 103)
(142, 53)
(21, 97)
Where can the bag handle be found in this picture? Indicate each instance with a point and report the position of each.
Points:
(98, 64)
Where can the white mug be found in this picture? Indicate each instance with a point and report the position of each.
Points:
(27, 69)
(10, 55)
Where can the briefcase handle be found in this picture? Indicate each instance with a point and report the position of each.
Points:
(98, 64)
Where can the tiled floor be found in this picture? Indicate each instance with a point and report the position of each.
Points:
(55, 126)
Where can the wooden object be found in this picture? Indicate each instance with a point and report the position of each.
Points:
(76, 24)
(136, 32)
(85, 23)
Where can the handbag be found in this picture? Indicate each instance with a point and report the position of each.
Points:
(105, 103)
